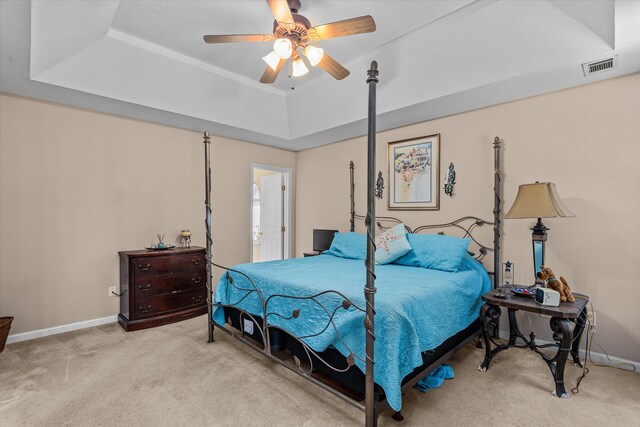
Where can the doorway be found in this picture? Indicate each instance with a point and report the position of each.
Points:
(270, 213)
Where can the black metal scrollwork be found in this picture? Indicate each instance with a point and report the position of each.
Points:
(379, 186)
(450, 180)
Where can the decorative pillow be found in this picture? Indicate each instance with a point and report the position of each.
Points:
(349, 245)
(392, 244)
(435, 251)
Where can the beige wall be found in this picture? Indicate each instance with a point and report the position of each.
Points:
(586, 140)
(78, 186)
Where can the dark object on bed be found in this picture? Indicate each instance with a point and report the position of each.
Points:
(312, 253)
(157, 288)
(322, 239)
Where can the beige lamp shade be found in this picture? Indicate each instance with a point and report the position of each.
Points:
(538, 200)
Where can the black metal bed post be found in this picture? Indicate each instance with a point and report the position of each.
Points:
(207, 220)
(353, 203)
(497, 185)
(496, 211)
(371, 416)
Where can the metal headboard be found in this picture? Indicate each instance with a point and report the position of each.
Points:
(465, 226)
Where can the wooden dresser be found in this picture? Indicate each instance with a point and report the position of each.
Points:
(160, 287)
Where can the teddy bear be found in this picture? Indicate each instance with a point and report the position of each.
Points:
(561, 286)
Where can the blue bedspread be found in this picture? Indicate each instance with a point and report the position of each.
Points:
(416, 309)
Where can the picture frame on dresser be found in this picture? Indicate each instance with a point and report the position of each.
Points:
(414, 173)
(161, 287)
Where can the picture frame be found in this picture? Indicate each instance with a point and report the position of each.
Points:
(414, 173)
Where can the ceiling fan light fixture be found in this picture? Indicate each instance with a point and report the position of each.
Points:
(299, 69)
(314, 54)
(283, 48)
(272, 60)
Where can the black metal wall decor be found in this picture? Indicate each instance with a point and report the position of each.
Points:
(379, 185)
(450, 181)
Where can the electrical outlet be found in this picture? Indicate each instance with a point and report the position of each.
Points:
(591, 315)
(112, 291)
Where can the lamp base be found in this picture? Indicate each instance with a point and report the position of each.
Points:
(538, 238)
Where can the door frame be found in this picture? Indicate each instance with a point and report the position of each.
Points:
(287, 175)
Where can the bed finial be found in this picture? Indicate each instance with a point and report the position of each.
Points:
(206, 137)
(373, 72)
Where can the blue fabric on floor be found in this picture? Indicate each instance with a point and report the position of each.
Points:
(436, 378)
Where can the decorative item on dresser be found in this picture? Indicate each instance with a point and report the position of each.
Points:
(185, 238)
(163, 287)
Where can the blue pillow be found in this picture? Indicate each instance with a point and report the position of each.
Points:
(349, 245)
(435, 251)
(392, 244)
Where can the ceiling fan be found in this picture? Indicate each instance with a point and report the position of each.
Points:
(291, 32)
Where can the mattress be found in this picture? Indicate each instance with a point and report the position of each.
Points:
(417, 309)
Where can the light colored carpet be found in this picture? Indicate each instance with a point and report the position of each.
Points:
(170, 376)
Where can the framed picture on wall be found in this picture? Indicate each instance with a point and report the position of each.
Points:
(414, 170)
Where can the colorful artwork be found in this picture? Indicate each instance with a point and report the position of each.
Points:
(413, 173)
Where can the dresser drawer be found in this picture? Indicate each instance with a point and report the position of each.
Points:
(167, 283)
(153, 305)
(144, 267)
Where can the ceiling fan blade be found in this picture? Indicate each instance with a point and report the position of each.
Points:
(233, 38)
(360, 25)
(282, 13)
(270, 74)
(332, 67)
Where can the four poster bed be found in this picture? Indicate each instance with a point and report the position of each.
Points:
(311, 316)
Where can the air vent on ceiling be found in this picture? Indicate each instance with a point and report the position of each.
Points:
(600, 66)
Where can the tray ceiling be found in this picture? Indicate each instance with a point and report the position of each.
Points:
(146, 59)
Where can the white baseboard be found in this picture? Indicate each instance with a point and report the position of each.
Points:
(596, 357)
(24, 336)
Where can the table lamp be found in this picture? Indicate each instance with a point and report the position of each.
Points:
(538, 200)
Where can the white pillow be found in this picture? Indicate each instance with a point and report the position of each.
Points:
(392, 244)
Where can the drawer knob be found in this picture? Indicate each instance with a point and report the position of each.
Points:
(144, 267)
(196, 280)
(198, 300)
(144, 288)
(196, 261)
(141, 309)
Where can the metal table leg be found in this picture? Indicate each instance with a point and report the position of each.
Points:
(563, 334)
(581, 321)
(514, 331)
(490, 315)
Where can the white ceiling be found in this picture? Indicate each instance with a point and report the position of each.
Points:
(146, 59)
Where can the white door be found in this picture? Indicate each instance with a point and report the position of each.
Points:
(271, 234)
